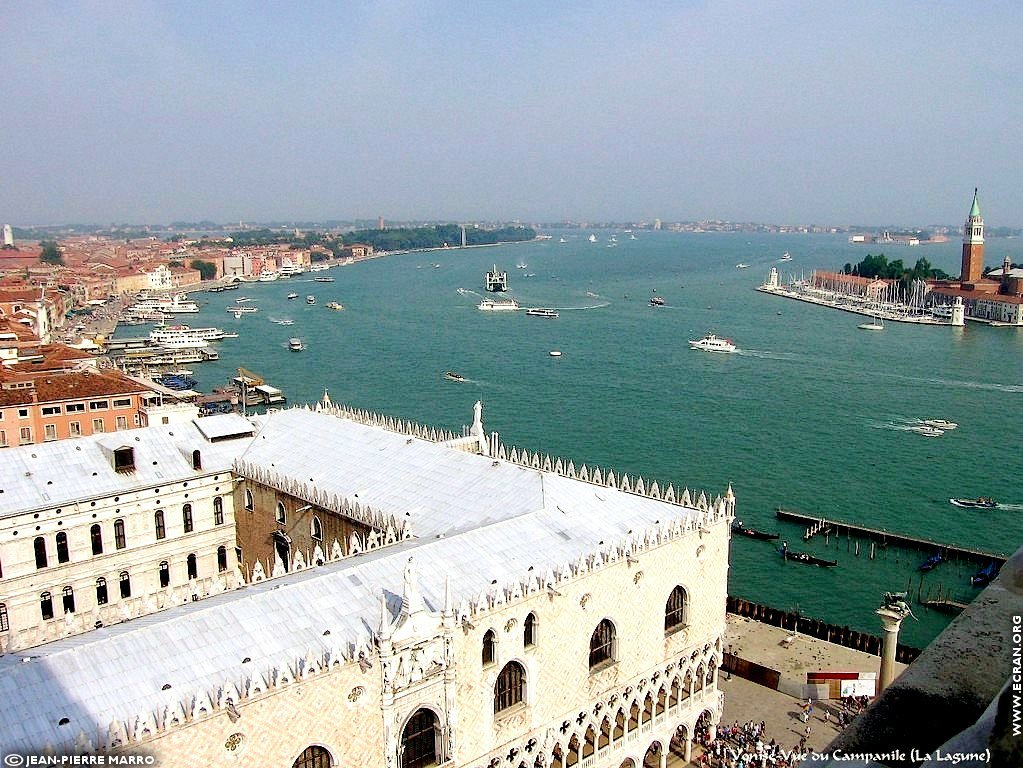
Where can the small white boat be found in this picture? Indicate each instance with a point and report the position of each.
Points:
(242, 299)
(983, 502)
(555, 353)
(785, 257)
(283, 321)
(268, 277)
(292, 295)
(939, 424)
(295, 345)
(242, 310)
(324, 279)
(592, 238)
(874, 325)
(310, 299)
(521, 265)
(452, 376)
(712, 343)
(926, 431)
(742, 265)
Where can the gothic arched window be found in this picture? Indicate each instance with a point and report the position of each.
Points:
(313, 756)
(676, 610)
(282, 514)
(509, 689)
(489, 647)
(96, 536)
(221, 559)
(529, 631)
(602, 645)
(62, 551)
(420, 740)
(40, 547)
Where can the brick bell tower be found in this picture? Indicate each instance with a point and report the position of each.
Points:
(973, 244)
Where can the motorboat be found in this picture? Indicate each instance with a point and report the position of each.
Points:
(310, 299)
(292, 295)
(877, 324)
(711, 343)
(927, 431)
(521, 265)
(742, 265)
(981, 502)
(656, 301)
(335, 305)
(785, 257)
(740, 529)
(452, 376)
(243, 310)
(232, 286)
(324, 279)
(242, 299)
(283, 321)
(542, 312)
(555, 353)
(268, 277)
(939, 424)
(501, 305)
(295, 344)
(592, 238)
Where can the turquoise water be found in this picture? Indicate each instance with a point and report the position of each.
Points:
(810, 415)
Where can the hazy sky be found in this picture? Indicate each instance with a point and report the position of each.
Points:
(788, 112)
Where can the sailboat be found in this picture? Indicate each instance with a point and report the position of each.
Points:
(877, 324)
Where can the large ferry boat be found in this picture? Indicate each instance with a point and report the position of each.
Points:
(501, 305)
(179, 303)
(711, 343)
(495, 281)
(179, 334)
(182, 342)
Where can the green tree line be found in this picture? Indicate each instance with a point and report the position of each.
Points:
(879, 267)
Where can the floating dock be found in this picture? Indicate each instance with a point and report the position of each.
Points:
(815, 525)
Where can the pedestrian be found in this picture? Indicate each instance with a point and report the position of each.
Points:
(807, 732)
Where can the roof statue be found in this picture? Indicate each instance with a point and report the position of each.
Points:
(411, 600)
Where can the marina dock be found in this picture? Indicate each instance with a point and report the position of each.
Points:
(817, 525)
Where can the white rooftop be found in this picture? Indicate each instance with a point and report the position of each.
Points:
(475, 524)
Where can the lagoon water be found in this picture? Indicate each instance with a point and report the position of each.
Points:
(810, 415)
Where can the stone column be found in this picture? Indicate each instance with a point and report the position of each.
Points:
(891, 622)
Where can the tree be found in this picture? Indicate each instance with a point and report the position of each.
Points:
(50, 253)
(207, 270)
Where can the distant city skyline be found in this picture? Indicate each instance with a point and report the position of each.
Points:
(783, 113)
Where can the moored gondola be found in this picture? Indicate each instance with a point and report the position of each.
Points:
(740, 529)
(984, 576)
(804, 557)
(931, 562)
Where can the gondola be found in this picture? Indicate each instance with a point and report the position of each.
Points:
(984, 576)
(741, 530)
(931, 562)
(805, 557)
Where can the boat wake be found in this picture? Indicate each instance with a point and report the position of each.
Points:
(467, 292)
(959, 384)
(1011, 507)
(768, 355)
(593, 306)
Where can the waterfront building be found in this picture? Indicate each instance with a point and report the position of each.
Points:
(108, 528)
(488, 607)
(43, 407)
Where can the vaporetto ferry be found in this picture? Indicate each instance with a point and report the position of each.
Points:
(180, 336)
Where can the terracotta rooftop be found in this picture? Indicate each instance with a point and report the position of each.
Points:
(55, 387)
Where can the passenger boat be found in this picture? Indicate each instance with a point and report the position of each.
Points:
(295, 345)
(805, 557)
(542, 312)
(167, 332)
(310, 299)
(740, 529)
(268, 277)
(711, 343)
(215, 289)
(981, 502)
(494, 280)
(324, 279)
(985, 575)
(501, 305)
(931, 562)
(656, 301)
(232, 286)
(335, 305)
(292, 295)
(452, 376)
(179, 303)
(242, 310)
